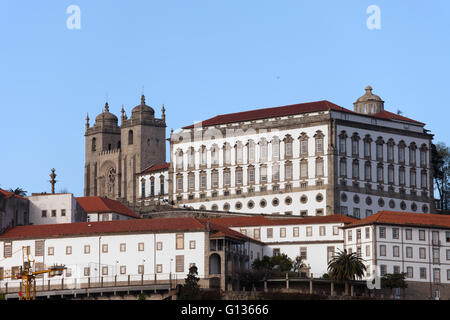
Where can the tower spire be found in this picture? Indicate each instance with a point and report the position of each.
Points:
(106, 107)
(163, 113)
(87, 121)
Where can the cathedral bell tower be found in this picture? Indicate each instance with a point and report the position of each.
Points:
(115, 154)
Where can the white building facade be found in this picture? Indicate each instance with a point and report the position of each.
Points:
(399, 242)
(51, 208)
(140, 250)
(307, 159)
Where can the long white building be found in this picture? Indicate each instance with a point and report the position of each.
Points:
(110, 251)
(305, 159)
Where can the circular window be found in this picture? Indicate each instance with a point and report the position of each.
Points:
(288, 200)
(226, 207)
(202, 207)
(214, 207)
(344, 197)
(403, 205)
(368, 201)
(356, 198)
(238, 205)
(263, 203)
(414, 206)
(250, 204)
(425, 208)
(381, 202)
(303, 199)
(319, 197)
(392, 204)
(275, 202)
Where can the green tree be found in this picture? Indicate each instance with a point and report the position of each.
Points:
(264, 265)
(191, 290)
(394, 280)
(282, 262)
(346, 267)
(18, 191)
(440, 164)
(298, 264)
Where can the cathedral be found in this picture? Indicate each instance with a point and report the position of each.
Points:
(115, 153)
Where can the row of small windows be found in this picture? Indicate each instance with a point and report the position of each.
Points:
(295, 232)
(408, 235)
(53, 213)
(409, 253)
(105, 270)
(251, 175)
(251, 148)
(39, 247)
(152, 187)
(410, 272)
(381, 203)
(355, 173)
(263, 203)
(367, 141)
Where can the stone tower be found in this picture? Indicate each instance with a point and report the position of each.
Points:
(115, 154)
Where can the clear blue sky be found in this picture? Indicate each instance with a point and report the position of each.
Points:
(203, 58)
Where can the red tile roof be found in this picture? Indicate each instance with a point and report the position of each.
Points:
(269, 221)
(9, 194)
(293, 109)
(393, 116)
(104, 205)
(405, 218)
(221, 230)
(271, 112)
(157, 167)
(181, 224)
(103, 227)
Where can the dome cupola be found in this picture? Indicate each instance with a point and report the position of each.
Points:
(369, 103)
(143, 111)
(106, 117)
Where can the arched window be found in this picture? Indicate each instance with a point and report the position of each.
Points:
(94, 144)
(130, 137)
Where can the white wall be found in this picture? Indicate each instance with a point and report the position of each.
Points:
(58, 202)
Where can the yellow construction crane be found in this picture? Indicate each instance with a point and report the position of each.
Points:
(28, 275)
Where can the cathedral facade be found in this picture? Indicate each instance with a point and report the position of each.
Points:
(115, 153)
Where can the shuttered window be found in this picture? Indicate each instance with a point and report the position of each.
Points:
(179, 264)
(39, 248)
(7, 249)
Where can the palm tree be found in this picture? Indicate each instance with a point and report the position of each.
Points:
(18, 191)
(346, 267)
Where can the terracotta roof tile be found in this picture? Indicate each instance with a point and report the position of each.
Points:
(103, 227)
(97, 204)
(393, 116)
(405, 218)
(293, 109)
(157, 167)
(268, 221)
(271, 112)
